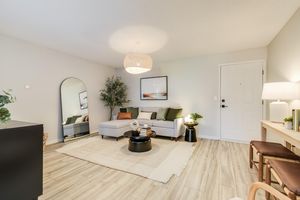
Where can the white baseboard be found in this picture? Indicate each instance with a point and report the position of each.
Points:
(213, 137)
(54, 140)
(210, 137)
(58, 140)
(235, 141)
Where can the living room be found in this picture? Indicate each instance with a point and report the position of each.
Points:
(210, 58)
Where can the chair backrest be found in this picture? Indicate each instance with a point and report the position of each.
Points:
(259, 185)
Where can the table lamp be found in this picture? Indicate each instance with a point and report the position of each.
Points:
(280, 92)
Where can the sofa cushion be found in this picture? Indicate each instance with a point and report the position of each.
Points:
(124, 115)
(115, 124)
(72, 120)
(161, 114)
(134, 112)
(153, 115)
(123, 109)
(164, 124)
(69, 120)
(173, 113)
(80, 119)
(144, 115)
(145, 121)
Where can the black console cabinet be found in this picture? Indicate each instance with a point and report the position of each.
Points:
(21, 160)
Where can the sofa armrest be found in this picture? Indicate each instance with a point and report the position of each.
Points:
(179, 127)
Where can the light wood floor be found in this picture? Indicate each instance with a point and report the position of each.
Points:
(218, 170)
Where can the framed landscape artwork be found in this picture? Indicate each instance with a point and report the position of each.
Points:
(154, 88)
(83, 100)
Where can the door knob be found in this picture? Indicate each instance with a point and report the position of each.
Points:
(223, 106)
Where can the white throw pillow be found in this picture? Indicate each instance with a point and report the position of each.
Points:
(144, 115)
(79, 119)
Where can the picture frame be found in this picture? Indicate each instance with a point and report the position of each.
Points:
(83, 102)
(154, 88)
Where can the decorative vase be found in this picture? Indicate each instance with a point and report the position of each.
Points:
(288, 125)
(135, 133)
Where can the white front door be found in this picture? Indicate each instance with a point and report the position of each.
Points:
(241, 104)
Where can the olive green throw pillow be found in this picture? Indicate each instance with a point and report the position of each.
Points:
(161, 113)
(153, 116)
(69, 120)
(123, 110)
(134, 112)
(72, 120)
(173, 114)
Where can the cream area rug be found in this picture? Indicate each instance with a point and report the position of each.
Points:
(167, 158)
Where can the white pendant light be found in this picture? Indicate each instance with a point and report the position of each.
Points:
(136, 63)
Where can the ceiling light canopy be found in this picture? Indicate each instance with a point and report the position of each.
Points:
(142, 39)
(137, 63)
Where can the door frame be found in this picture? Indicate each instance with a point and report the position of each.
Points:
(264, 111)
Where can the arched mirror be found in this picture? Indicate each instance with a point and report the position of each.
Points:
(74, 105)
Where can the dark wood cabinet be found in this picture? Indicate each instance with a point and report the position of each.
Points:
(21, 160)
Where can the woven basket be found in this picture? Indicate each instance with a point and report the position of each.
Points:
(45, 137)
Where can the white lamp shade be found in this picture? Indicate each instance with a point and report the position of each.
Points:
(135, 63)
(281, 91)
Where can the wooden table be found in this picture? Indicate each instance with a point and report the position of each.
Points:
(291, 137)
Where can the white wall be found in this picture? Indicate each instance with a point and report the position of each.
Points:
(22, 63)
(193, 84)
(284, 52)
(284, 58)
(284, 55)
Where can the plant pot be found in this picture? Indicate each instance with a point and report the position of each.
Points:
(288, 125)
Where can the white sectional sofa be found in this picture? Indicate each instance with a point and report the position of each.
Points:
(116, 128)
(75, 128)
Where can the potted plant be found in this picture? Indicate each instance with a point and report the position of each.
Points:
(114, 94)
(288, 123)
(5, 98)
(192, 119)
(195, 117)
(135, 126)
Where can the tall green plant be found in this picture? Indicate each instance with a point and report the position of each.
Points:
(5, 98)
(114, 94)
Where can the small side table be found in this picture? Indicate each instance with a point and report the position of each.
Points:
(190, 132)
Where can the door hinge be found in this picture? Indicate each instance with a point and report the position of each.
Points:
(263, 72)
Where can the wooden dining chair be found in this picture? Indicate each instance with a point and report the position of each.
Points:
(267, 188)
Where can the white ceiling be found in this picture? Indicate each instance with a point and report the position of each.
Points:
(91, 29)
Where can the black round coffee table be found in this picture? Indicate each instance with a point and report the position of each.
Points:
(139, 144)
